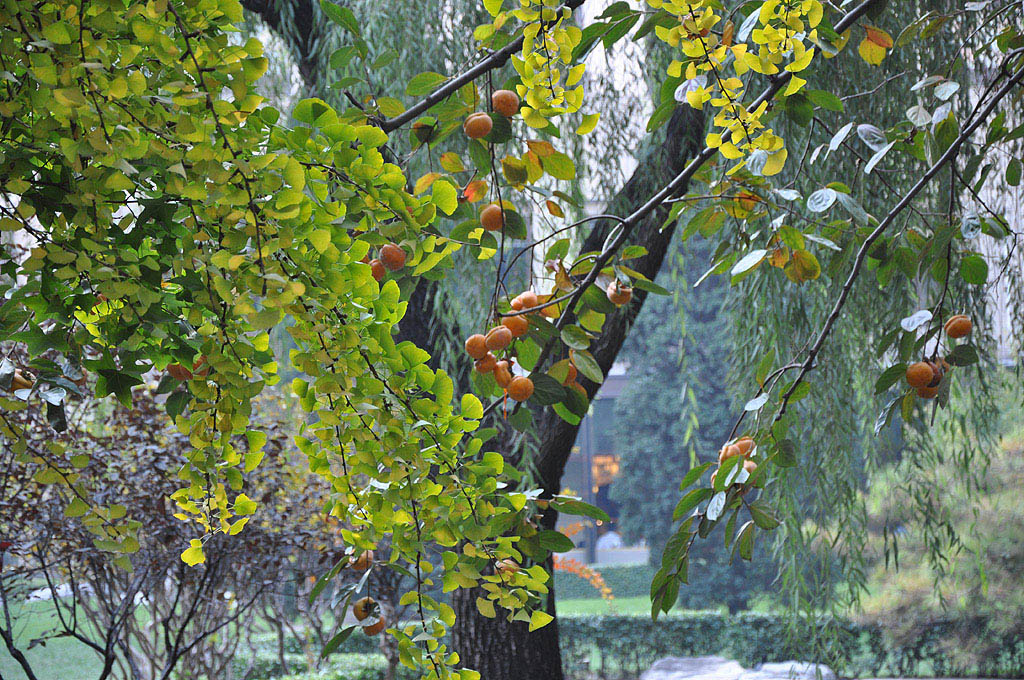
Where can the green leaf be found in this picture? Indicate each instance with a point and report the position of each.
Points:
(974, 270)
(762, 516)
(546, 390)
(423, 83)
(694, 474)
(587, 365)
(890, 377)
(574, 506)
(471, 407)
(690, 501)
(559, 166)
(445, 196)
(785, 455)
(336, 641)
(575, 337)
(963, 355)
(555, 541)
(342, 16)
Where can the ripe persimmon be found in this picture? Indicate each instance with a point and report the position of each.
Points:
(927, 392)
(21, 380)
(746, 445)
(570, 377)
(937, 373)
(749, 466)
(505, 102)
(714, 476)
(517, 324)
(728, 451)
(477, 125)
(375, 628)
(492, 217)
(377, 269)
(529, 299)
(486, 364)
(618, 293)
(476, 346)
(362, 608)
(392, 256)
(362, 561)
(498, 338)
(516, 304)
(502, 374)
(920, 374)
(958, 326)
(520, 388)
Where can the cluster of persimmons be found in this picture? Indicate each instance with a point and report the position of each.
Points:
(925, 376)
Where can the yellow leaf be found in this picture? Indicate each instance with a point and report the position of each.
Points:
(194, 555)
(486, 608)
(539, 619)
(588, 124)
(776, 162)
(423, 183)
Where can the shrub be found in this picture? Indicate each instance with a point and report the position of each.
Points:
(624, 646)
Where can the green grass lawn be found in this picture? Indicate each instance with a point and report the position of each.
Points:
(57, 659)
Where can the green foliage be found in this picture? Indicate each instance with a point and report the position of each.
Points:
(625, 646)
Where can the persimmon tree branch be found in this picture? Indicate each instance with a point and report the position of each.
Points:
(495, 60)
(667, 193)
(948, 157)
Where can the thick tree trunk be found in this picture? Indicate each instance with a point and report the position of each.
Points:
(507, 651)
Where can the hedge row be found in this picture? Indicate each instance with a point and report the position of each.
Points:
(625, 581)
(607, 646)
(625, 646)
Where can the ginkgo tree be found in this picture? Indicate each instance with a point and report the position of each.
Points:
(162, 218)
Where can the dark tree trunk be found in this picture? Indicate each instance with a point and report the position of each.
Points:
(500, 650)
(507, 651)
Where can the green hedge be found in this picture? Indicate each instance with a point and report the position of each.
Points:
(626, 581)
(625, 646)
(608, 646)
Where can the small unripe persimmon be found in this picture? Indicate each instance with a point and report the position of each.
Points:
(958, 326)
(392, 256)
(919, 374)
(377, 269)
(498, 338)
(375, 628)
(363, 607)
(476, 346)
(927, 392)
(486, 364)
(505, 102)
(362, 561)
(619, 294)
(502, 374)
(477, 125)
(520, 388)
(492, 217)
(517, 324)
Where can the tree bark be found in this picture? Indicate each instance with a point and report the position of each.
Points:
(507, 651)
